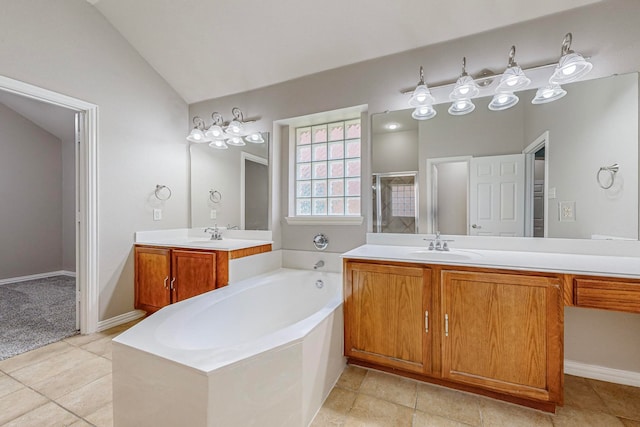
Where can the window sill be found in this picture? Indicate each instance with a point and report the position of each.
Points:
(324, 220)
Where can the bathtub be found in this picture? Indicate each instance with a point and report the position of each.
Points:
(263, 352)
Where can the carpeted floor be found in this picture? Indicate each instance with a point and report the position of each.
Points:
(36, 313)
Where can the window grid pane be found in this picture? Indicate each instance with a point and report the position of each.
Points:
(328, 169)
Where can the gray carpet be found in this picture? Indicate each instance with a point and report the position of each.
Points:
(36, 313)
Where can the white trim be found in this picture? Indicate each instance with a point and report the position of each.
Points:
(252, 158)
(529, 152)
(119, 320)
(36, 276)
(87, 239)
(324, 220)
(602, 373)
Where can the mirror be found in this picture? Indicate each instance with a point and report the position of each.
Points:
(230, 187)
(532, 170)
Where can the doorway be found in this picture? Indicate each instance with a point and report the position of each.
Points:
(537, 187)
(86, 214)
(254, 192)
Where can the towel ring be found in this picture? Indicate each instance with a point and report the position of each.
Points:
(158, 191)
(215, 196)
(612, 171)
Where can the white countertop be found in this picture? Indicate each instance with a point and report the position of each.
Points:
(599, 265)
(196, 239)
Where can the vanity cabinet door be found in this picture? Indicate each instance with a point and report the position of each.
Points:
(503, 332)
(194, 273)
(152, 278)
(386, 315)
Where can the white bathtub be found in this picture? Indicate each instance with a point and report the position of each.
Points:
(263, 352)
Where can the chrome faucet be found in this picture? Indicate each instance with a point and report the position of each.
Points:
(438, 244)
(216, 234)
(318, 265)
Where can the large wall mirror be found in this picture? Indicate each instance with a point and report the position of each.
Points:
(230, 187)
(566, 169)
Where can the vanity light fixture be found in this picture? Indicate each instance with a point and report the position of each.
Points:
(421, 95)
(503, 101)
(221, 134)
(571, 66)
(549, 93)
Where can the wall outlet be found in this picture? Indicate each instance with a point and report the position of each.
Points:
(567, 211)
(157, 214)
(213, 214)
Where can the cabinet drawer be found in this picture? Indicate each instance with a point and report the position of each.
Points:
(618, 295)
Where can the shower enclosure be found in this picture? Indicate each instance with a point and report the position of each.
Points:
(395, 202)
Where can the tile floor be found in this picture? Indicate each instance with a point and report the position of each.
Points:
(68, 383)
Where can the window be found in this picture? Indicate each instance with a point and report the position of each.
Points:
(403, 200)
(327, 169)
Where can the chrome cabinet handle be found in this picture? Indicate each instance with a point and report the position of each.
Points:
(446, 325)
(172, 282)
(166, 279)
(426, 321)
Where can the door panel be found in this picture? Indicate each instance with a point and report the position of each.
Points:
(194, 273)
(152, 275)
(496, 195)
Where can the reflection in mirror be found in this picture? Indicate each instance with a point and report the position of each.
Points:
(230, 187)
(527, 171)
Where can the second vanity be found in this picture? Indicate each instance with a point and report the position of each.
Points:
(484, 321)
(173, 265)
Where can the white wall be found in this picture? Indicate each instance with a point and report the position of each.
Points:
(394, 151)
(607, 31)
(452, 197)
(31, 197)
(68, 47)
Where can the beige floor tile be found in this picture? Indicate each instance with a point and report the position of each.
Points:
(622, 400)
(47, 415)
(34, 356)
(18, 403)
(579, 394)
(335, 408)
(351, 377)
(72, 379)
(80, 340)
(423, 419)
(103, 417)
(89, 398)
(8, 385)
(51, 366)
(99, 347)
(569, 416)
(80, 423)
(369, 411)
(629, 423)
(501, 414)
(390, 387)
(453, 404)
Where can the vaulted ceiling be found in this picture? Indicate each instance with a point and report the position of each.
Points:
(210, 48)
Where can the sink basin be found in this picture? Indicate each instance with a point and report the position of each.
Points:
(451, 255)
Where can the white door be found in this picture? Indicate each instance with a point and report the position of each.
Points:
(496, 196)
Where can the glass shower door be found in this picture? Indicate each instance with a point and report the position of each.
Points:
(395, 203)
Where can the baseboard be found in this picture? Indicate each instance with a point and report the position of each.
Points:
(37, 276)
(602, 373)
(119, 320)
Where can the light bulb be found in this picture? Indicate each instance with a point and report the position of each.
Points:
(569, 70)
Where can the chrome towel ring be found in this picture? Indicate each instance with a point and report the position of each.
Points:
(215, 196)
(162, 192)
(611, 171)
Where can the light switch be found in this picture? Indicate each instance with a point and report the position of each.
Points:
(157, 214)
(552, 193)
(567, 211)
(213, 214)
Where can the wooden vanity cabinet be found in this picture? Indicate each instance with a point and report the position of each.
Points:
(164, 276)
(493, 332)
(387, 315)
(503, 332)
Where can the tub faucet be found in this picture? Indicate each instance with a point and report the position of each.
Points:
(215, 232)
(318, 264)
